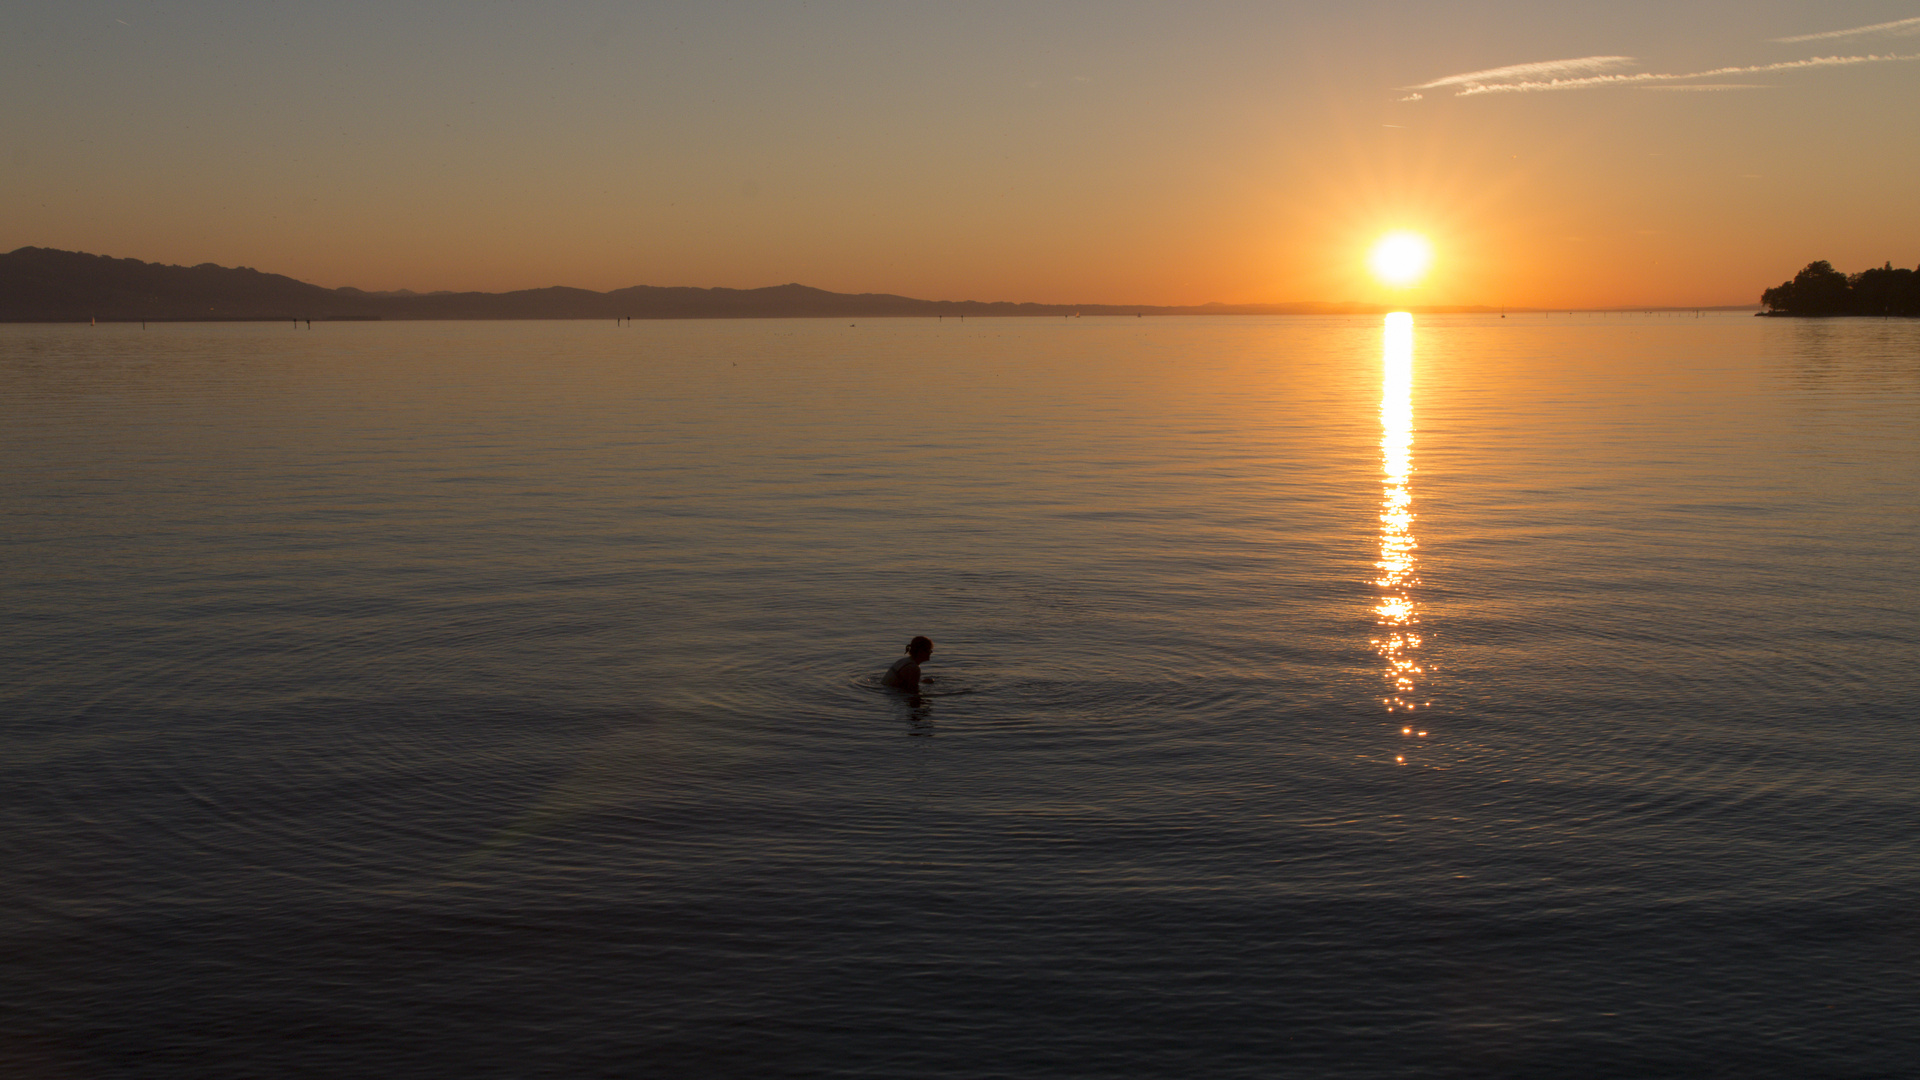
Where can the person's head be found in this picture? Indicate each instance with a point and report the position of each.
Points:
(920, 648)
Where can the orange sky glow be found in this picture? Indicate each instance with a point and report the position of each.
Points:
(1123, 152)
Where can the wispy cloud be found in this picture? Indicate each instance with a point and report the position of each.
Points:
(1708, 86)
(1897, 28)
(1545, 69)
(1565, 75)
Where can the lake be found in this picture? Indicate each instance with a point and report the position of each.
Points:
(1458, 696)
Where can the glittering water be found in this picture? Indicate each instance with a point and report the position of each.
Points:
(1523, 697)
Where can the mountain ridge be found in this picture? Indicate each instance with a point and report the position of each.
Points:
(49, 285)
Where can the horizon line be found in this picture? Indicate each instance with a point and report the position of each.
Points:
(1347, 306)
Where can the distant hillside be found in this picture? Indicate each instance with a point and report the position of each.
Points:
(45, 285)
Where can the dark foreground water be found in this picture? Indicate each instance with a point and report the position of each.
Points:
(1524, 697)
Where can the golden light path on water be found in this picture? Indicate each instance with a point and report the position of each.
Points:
(1396, 612)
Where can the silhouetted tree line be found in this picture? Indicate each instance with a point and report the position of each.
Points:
(1822, 290)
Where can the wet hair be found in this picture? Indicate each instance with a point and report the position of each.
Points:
(920, 646)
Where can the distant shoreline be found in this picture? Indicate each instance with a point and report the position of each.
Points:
(43, 285)
(1836, 315)
(1142, 313)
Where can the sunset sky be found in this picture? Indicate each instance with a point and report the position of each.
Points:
(1120, 151)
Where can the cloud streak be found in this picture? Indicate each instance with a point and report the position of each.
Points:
(1590, 72)
(1546, 69)
(1897, 28)
(1708, 86)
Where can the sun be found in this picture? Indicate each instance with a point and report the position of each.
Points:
(1400, 258)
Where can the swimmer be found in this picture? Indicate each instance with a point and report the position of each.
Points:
(905, 672)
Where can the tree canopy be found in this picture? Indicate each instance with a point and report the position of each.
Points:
(1822, 290)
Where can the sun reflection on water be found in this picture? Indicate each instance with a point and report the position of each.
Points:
(1396, 613)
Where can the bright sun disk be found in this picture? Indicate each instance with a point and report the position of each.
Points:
(1400, 258)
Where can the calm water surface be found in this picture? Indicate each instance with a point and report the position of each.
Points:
(1314, 697)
